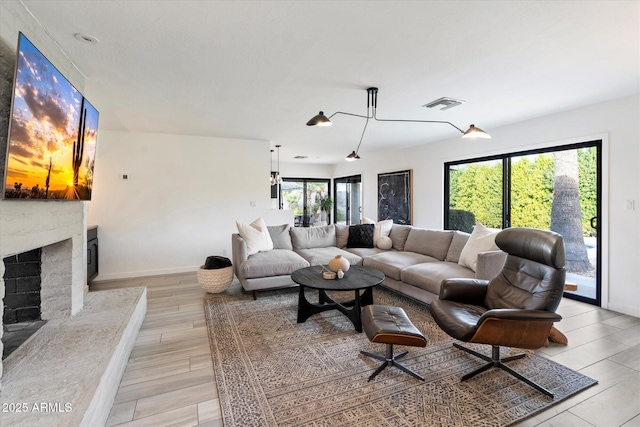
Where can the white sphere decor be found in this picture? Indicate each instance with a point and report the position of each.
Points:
(384, 243)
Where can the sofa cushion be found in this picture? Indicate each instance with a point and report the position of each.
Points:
(361, 236)
(280, 236)
(342, 235)
(313, 237)
(276, 262)
(457, 243)
(482, 239)
(391, 263)
(322, 256)
(399, 235)
(429, 276)
(365, 252)
(434, 243)
(256, 235)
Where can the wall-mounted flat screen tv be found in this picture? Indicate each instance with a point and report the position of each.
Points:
(52, 133)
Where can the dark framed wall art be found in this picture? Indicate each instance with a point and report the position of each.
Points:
(394, 197)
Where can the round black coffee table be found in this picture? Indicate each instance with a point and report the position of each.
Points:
(356, 279)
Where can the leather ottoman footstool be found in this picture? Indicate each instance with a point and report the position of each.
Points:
(390, 325)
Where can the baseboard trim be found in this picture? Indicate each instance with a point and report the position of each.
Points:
(624, 309)
(144, 273)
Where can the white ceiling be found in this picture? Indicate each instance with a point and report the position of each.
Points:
(261, 69)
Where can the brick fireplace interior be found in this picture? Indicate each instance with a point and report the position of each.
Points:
(22, 315)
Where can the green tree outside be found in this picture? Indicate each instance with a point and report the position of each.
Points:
(532, 191)
(477, 188)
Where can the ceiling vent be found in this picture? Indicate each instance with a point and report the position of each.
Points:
(445, 103)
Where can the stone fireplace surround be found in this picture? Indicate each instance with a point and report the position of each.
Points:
(78, 357)
(57, 228)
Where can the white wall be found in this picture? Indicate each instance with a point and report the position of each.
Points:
(617, 121)
(306, 170)
(180, 203)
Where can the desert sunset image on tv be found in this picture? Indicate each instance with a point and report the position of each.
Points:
(53, 133)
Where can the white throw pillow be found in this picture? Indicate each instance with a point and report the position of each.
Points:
(256, 235)
(482, 239)
(381, 229)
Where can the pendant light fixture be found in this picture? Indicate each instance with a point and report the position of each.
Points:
(372, 104)
(272, 177)
(474, 132)
(354, 154)
(278, 178)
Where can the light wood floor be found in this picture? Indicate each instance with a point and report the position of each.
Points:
(169, 378)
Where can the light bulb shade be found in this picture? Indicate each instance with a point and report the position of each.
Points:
(351, 157)
(474, 132)
(319, 120)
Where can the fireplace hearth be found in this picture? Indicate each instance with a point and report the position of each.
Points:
(16, 334)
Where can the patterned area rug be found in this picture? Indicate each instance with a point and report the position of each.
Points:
(272, 371)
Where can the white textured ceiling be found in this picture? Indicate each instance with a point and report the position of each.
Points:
(261, 69)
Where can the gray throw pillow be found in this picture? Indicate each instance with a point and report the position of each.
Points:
(342, 235)
(459, 240)
(398, 236)
(280, 236)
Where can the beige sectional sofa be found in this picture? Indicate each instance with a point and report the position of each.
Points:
(416, 264)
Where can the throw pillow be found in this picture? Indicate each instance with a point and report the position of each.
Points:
(384, 243)
(360, 236)
(280, 236)
(256, 235)
(398, 236)
(380, 229)
(482, 239)
(342, 235)
(460, 239)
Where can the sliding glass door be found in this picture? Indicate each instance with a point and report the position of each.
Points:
(475, 194)
(303, 197)
(555, 189)
(348, 191)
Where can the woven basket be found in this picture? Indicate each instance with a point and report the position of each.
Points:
(215, 281)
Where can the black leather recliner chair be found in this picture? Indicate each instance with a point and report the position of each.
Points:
(516, 308)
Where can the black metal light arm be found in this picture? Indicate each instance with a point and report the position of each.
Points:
(351, 114)
(372, 105)
(414, 121)
(373, 93)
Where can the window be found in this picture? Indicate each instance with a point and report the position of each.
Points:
(555, 189)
